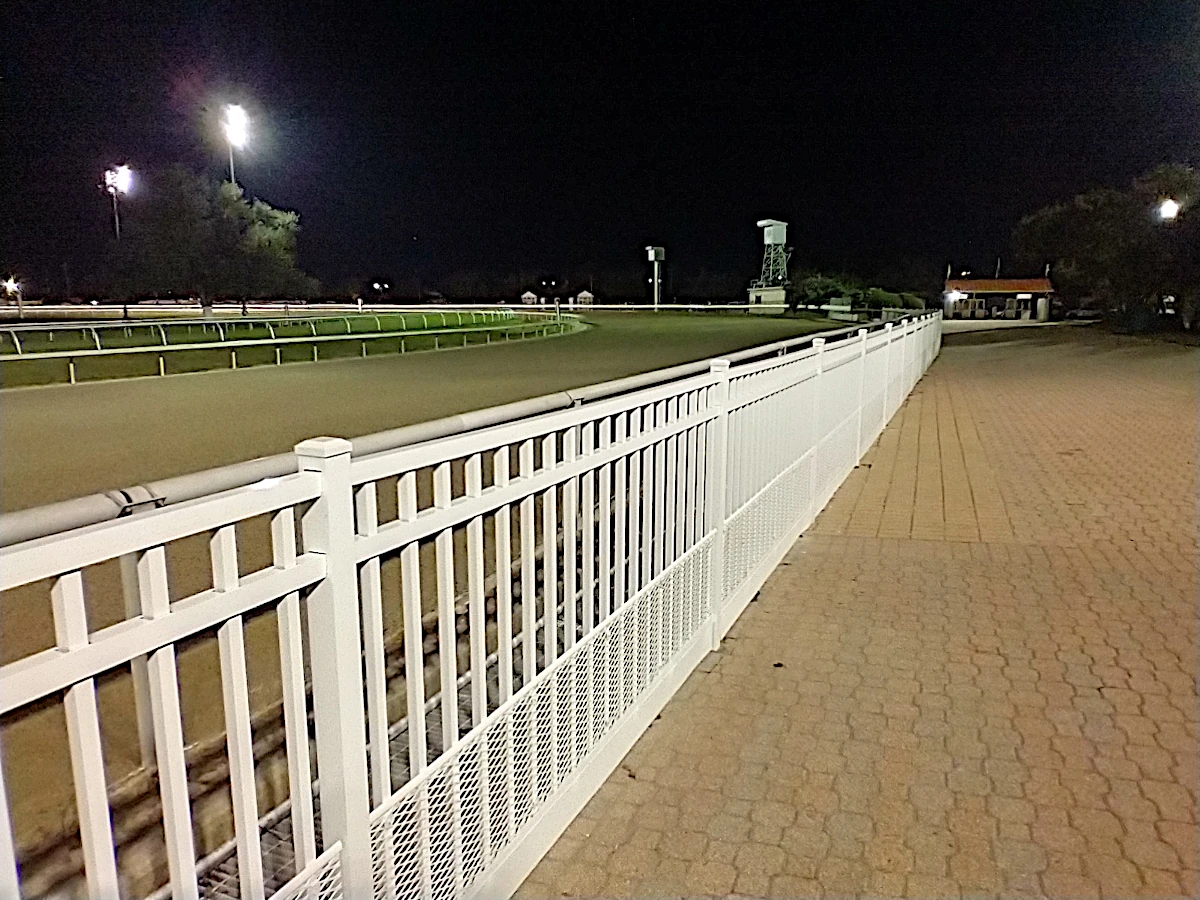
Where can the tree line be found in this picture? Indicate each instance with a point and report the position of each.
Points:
(191, 235)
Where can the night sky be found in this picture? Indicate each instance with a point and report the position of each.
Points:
(563, 138)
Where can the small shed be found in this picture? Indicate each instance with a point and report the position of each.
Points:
(584, 298)
(997, 298)
(529, 298)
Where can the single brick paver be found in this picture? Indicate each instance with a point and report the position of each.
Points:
(974, 676)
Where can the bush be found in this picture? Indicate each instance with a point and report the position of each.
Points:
(878, 298)
(817, 290)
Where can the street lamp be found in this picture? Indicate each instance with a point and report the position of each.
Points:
(1168, 210)
(656, 255)
(237, 132)
(117, 180)
(13, 287)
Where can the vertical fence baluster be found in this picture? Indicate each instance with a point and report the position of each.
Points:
(87, 751)
(717, 450)
(588, 511)
(570, 518)
(816, 485)
(447, 632)
(604, 574)
(664, 513)
(295, 700)
(168, 732)
(692, 535)
(476, 621)
(137, 666)
(528, 571)
(550, 553)
(503, 526)
(683, 498)
(235, 692)
(620, 500)
(761, 410)
(414, 651)
(370, 589)
(734, 445)
(550, 597)
(635, 505)
(414, 670)
(448, 659)
(648, 486)
(504, 630)
(704, 399)
(671, 446)
(477, 637)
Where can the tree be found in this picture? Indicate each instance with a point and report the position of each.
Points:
(190, 235)
(1110, 244)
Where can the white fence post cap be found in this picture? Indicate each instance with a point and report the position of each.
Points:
(719, 365)
(323, 447)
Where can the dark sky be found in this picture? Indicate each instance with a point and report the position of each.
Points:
(564, 137)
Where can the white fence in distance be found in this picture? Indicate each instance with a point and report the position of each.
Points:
(580, 564)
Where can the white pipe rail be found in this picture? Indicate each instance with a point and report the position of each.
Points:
(224, 344)
(161, 323)
(675, 501)
(26, 524)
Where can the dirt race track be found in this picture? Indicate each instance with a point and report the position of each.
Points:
(69, 440)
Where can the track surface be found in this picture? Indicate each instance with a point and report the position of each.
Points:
(66, 441)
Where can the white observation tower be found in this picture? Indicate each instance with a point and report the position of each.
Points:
(768, 292)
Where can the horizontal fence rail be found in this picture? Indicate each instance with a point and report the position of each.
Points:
(109, 352)
(162, 332)
(466, 633)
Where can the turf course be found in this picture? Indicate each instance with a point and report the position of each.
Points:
(59, 442)
(62, 354)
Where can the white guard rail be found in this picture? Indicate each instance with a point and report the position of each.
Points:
(602, 551)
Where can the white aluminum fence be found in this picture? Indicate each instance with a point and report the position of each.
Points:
(572, 569)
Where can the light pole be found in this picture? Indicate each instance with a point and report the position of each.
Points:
(656, 255)
(117, 180)
(237, 131)
(13, 287)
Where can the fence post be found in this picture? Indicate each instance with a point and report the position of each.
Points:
(887, 376)
(862, 382)
(717, 462)
(337, 666)
(814, 505)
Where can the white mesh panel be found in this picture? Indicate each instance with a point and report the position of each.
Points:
(439, 834)
(322, 880)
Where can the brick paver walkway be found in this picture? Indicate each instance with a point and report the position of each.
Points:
(975, 676)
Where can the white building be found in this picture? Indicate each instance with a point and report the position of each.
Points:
(529, 298)
(584, 298)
